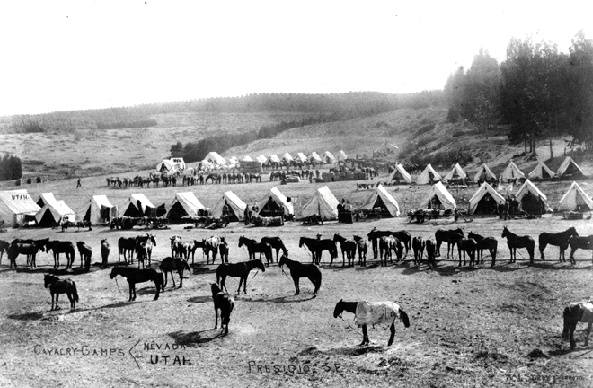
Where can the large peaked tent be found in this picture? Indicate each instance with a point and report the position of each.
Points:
(287, 158)
(531, 199)
(323, 204)
(512, 173)
(484, 174)
(401, 175)
(485, 200)
(138, 206)
(328, 157)
(16, 206)
(100, 211)
(52, 211)
(274, 158)
(300, 157)
(184, 205)
(214, 158)
(342, 155)
(576, 199)
(440, 198)
(231, 206)
(541, 172)
(262, 159)
(570, 169)
(429, 174)
(165, 166)
(276, 204)
(456, 172)
(382, 199)
(315, 158)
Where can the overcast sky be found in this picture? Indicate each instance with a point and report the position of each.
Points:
(65, 55)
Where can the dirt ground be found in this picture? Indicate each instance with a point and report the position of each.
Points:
(494, 327)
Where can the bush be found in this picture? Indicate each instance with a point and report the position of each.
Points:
(11, 168)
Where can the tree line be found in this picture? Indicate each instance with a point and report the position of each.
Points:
(11, 167)
(538, 92)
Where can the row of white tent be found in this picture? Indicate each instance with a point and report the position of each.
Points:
(510, 173)
(214, 159)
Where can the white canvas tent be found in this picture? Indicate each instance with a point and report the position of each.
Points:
(576, 199)
(485, 200)
(342, 155)
(400, 174)
(100, 211)
(300, 157)
(328, 157)
(16, 206)
(484, 174)
(424, 177)
(315, 158)
(231, 206)
(276, 201)
(323, 204)
(184, 205)
(512, 173)
(569, 168)
(52, 211)
(456, 172)
(382, 198)
(262, 159)
(530, 198)
(439, 195)
(274, 158)
(541, 171)
(247, 158)
(214, 158)
(287, 158)
(165, 166)
(138, 206)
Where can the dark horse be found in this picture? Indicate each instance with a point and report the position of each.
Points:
(362, 250)
(451, 237)
(514, 241)
(254, 247)
(225, 303)
(489, 243)
(573, 314)
(59, 286)
(30, 248)
(316, 247)
(418, 245)
(237, 270)
(4, 245)
(138, 275)
(388, 314)
(169, 264)
(348, 246)
(58, 247)
(585, 243)
(276, 244)
(86, 254)
(127, 246)
(560, 240)
(299, 270)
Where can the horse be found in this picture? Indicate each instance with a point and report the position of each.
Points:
(254, 247)
(30, 248)
(451, 237)
(194, 245)
(211, 245)
(375, 234)
(58, 247)
(514, 241)
(405, 237)
(573, 314)
(387, 245)
(59, 286)
(86, 254)
(299, 270)
(137, 275)
(223, 249)
(127, 246)
(348, 246)
(141, 253)
(225, 303)
(489, 243)
(431, 249)
(4, 245)
(560, 240)
(276, 244)
(104, 252)
(317, 246)
(373, 313)
(469, 246)
(585, 243)
(362, 250)
(418, 246)
(237, 270)
(169, 264)
(176, 246)
(149, 242)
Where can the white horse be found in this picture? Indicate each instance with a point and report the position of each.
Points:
(573, 314)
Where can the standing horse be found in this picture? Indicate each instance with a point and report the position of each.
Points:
(254, 247)
(86, 254)
(573, 314)
(127, 246)
(176, 246)
(468, 246)
(194, 245)
(276, 244)
(371, 314)
(59, 286)
(211, 245)
(387, 244)
(104, 252)
(557, 239)
(514, 241)
(299, 270)
(489, 243)
(585, 243)
(431, 249)
(317, 246)
(223, 249)
(405, 237)
(58, 247)
(149, 243)
(418, 247)
(30, 248)
(225, 303)
(451, 237)
(169, 264)
(137, 275)
(348, 246)
(4, 245)
(237, 270)
(362, 250)
(373, 236)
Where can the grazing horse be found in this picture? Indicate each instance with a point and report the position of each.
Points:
(431, 250)
(211, 245)
(127, 246)
(585, 243)
(254, 247)
(4, 245)
(514, 241)
(299, 270)
(316, 247)
(451, 237)
(362, 250)
(418, 246)
(169, 264)
(489, 243)
(223, 249)
(276, 244)
(86, 254)
(58, 247)
(225, 303)
(371, 314)
(237, 270)
(137, 275)
(557, 239)
(149, 242)
(59, 286)
(573, 314)
(348, 246)
(104, 252)
(469, 246)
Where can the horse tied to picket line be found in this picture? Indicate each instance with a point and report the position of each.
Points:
(30, 248)
(348, 247)
(388, 245)
(373, 313)
(225, 303)
(489, 243)
(105, 249)
(4, 245)
(85, 252)
(138, 275)
(362, 250)
(431, 253)
(467, 246)
(276, 243)
(254, 247)
(58, 247)
(237, 270)
(169, 264)
(580, 242)
(317, 246)
(211, 245)
(145, 244)
(515, 241)
(418, 245)
(301, 270)
(223, 249)
(126, 247)
(59, 286)
(561, 240)
(403, 236)
(451, 237)
(573, 314)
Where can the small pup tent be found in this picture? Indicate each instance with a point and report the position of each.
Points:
(302, 158)
(512, 173)
(184, 205)
(262, 159)
(401, 175)
(541, 172)
(531, 199)
(323, 204)
(315, 158)
(439, 198)
(484, 174)
(383, 200)
(277, 204)
(52, 211)
(328, 157)
(230, 206)
(485, 201)
(456, 173)
(100, 211)
(575, 199)
(139, 206)
(287, 158)
(570, 169)
(342, 155)
(428, 176)
(16, 206)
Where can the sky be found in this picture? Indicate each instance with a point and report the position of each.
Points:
(85, 54)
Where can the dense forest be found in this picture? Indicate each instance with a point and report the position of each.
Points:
(537, 91)
(10, 168)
